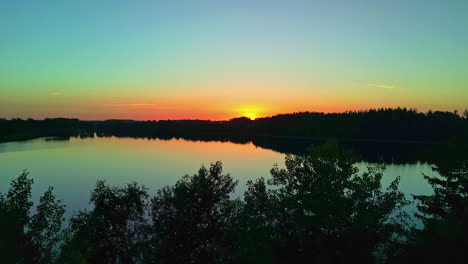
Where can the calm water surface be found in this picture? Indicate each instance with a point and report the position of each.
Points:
(73, 166)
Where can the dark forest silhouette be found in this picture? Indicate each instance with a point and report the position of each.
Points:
(18, 129)
(392, 135)
(400, 124)
(318, 209)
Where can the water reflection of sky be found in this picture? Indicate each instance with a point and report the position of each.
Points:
(73, 166)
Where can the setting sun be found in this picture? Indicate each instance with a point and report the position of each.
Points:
(250, 115)
(251, 112)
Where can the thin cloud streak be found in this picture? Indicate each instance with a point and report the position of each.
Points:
(130, 105)
(383, 86)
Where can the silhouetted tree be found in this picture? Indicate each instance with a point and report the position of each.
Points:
(188, 218)
(26, 239)
(320, 209)
(16, 246)
(254, 225)
(111, 232)
(444, 237)
(46, 225)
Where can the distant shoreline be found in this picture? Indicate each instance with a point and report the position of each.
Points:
(352, 140)
(393, 126)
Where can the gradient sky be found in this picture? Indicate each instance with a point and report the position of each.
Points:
(149, 59)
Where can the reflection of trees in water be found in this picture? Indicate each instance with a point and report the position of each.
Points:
(369, 151)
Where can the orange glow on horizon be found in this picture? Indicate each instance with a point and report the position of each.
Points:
(251, 116)
(222, 105)
(250, 111)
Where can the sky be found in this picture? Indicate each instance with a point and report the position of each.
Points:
(207, 59)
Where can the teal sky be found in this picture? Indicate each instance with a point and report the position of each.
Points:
(219, 59)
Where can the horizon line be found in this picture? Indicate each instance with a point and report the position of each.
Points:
(229, 119)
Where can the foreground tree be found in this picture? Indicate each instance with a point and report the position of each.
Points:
(444, 237)
(25, 238)
(319, 209)
(188, 218)
(46, 225)
(112, 231)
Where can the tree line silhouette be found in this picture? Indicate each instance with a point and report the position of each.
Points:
(18, 129)
(391, 135)
(317, 209)
(400, 124)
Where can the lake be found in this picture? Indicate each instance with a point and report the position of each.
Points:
(73, 166)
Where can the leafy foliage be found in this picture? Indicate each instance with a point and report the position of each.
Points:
(188, 217)
(25, 238)
(444, 214)
(110, 232)
(46, 224)
(320, 209)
